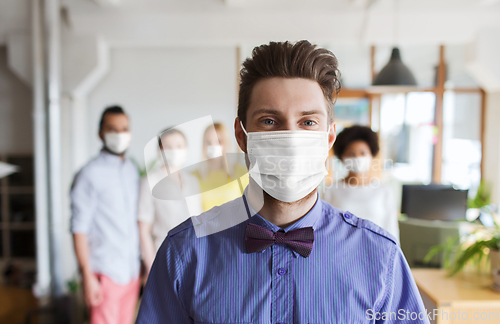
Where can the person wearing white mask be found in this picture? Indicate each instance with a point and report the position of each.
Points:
(104, 224)
(216, 173)
(156, 216)
(358, 192)
(278, 253)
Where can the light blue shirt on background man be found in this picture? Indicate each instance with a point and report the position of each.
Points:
(104, 207)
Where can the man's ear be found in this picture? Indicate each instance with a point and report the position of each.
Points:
(240, 135)
(332, 135)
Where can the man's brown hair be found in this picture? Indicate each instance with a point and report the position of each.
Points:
(287, 60)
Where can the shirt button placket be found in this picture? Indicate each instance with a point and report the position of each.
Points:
(282, 309)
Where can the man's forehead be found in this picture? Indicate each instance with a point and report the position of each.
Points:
(279, 95)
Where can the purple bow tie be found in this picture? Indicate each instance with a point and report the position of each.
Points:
(258, 238)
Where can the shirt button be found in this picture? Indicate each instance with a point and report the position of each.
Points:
(347, 216)
(281, 271)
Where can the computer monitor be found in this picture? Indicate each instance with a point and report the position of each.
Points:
(434, 202)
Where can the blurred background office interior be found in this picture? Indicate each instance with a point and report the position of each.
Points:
(167, 62)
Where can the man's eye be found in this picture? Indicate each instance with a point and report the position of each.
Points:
(269, 122)
(309, 123)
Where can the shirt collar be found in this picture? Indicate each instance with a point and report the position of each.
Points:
(308, 220)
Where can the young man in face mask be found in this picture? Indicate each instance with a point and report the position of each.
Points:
(294, 258)
(104, 225)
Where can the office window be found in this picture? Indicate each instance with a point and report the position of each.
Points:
(22, 208)
(25, 176)
(22, 244)
(348, 111)
(17, 217)
(351, 111)
(462, 140)
(407, 134)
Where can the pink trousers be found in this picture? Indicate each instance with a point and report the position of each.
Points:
(118, 304)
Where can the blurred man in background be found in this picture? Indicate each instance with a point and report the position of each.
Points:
(104, 225)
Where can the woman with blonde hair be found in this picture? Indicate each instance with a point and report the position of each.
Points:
(216, 174)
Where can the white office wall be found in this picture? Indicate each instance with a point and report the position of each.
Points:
(16, 124)
(161, 87)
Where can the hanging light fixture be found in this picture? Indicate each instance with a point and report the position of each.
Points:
(395, 73)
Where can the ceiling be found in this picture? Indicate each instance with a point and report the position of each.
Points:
(232, 21)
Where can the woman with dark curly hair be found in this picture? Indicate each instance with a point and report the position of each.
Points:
(356, 147)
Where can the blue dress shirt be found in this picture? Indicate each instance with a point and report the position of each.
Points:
(104, 207)
(356, 273)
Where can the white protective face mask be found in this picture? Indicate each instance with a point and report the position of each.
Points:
(175, 157)
(214, 151)
(117, 143)
(288, 165)
(358, 165)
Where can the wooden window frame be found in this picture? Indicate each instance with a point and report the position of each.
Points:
(373, 94)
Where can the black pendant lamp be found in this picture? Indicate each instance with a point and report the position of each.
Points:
(395, 73)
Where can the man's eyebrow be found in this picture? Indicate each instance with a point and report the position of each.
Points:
(267, 111)
(277, 112)
(312, 112)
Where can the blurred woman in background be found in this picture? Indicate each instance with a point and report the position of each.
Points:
(215, 175)
(356, 147)
(157, 217)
